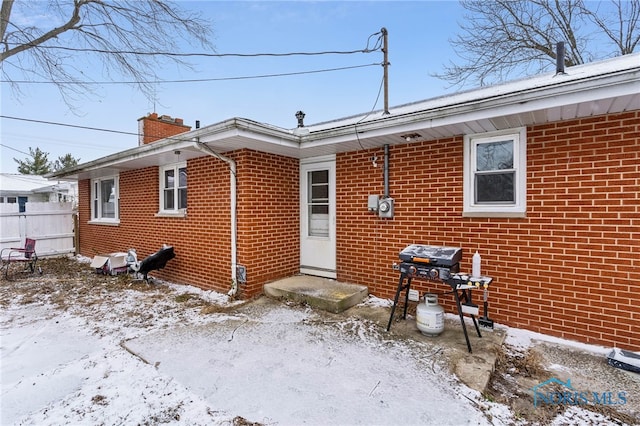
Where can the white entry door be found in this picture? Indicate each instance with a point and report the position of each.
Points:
(318, 216)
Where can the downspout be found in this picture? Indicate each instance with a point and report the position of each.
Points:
(234, 218)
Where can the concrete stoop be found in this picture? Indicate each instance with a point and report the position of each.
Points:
(321, 293)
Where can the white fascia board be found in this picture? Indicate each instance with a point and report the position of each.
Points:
(269, 138)
(216, 134)
(238, 126)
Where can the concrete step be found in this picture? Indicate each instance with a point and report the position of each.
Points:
(321, 293)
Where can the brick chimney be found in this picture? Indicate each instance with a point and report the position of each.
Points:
(153, 127)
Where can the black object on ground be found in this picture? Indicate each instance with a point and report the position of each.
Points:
(156, 261)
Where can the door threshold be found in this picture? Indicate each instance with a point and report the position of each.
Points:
(318, 272)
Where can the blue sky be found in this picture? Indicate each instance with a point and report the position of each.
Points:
(418, 46)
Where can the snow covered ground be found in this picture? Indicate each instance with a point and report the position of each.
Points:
(151, 357)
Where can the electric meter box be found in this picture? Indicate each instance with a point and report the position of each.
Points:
(385, 207)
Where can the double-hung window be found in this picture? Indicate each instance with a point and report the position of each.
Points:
(105, 199)
(495, 174)
(173, 188)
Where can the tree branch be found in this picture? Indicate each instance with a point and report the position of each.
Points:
(102, 30)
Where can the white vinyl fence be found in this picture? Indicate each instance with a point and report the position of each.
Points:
(50, 224)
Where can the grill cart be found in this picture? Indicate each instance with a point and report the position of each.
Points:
(441, 264)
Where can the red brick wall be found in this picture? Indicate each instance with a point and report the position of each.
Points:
(268, 217)
(267, 221)
(568, 269)
(201, 240)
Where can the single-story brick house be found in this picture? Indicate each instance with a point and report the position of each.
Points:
(541, 176)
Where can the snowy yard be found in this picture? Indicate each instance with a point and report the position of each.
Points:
(77, 348)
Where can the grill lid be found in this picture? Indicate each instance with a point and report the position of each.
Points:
(433, 255)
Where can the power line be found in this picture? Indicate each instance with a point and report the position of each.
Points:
(25, 139)
(14, 149)
(75, 126)
(377, 46)
(201, 80)
(177, 138)
(206, 55)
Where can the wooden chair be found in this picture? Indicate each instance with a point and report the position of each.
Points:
(25, 255)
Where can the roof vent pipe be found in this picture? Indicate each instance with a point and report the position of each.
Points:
(560, 58)
(197, 124)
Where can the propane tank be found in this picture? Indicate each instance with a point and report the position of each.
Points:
(430, 316)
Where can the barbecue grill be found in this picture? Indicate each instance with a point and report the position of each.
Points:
(441, 264)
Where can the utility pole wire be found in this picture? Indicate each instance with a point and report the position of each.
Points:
(197, 80)
(75, 126)
(206, 55)
(377, 46)
(14, 149)
(96, 129)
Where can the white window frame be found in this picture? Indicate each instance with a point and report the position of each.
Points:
(97, 215)
(176, 198)
(518, 208)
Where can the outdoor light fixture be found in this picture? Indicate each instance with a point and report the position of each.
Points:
(410, 136)
(300, 117)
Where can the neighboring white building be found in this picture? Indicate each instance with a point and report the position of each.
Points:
(20, 189)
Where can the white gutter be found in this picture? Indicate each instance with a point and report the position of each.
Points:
(234, 217)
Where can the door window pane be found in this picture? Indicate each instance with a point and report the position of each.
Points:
(320, 192)
(318, 203)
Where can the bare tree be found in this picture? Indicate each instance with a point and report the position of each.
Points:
(503, 38)
(54, 41)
